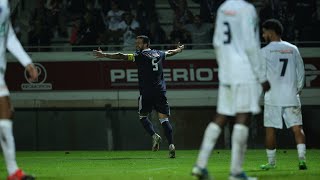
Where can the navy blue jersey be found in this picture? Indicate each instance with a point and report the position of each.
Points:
(150, 71)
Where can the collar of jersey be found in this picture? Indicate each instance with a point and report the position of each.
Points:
(146, 49)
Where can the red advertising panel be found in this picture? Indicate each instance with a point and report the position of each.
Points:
(178, 74)
(106, 75)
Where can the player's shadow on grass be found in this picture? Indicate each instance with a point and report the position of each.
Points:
(269, 171)
(113, 159)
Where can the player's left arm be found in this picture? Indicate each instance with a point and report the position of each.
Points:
(300, 72)
(15, 47)
(173, 52)
(250, 31)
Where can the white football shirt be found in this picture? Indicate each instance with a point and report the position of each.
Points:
(237, 44)
(285, 72)
(8, 39)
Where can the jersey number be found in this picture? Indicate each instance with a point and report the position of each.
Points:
(284, 67)
(155, 64)
(227, 33)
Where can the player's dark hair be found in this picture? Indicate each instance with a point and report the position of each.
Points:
(145, 39)
(273, 24)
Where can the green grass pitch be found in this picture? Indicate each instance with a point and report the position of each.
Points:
(150, 165)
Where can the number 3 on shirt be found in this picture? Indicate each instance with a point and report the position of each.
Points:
(155, 64)
(227, 33)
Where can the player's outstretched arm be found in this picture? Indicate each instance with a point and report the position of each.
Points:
(99, 54)
(173, 52)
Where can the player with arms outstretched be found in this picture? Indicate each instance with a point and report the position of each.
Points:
(241, 75)
(152, 86)
(8, 40)
(285, 71)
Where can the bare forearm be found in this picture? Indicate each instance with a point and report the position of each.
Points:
(173, 52)
(116, 56)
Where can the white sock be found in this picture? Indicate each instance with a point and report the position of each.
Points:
(271, 154)
(301, 151)
(8, 146)
(209, 140)
(244, 149)
(239, 145)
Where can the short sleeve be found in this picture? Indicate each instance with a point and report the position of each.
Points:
(162, 55)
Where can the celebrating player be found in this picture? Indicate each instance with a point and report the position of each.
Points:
(241, 74)
(8, 40)
(285, 71)
(152, 86)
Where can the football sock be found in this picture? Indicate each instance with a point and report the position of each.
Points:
(8, 146)
(271, 154)
(301, 151)
(147, 125)
(167, 128)
(209, 140)
(239, 144)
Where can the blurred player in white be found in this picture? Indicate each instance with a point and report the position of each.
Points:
(241, 75)
(285, 72)
(8, 40)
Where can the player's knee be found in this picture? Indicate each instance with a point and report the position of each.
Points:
(297, 130)
(163, 116)
(162, 120)
(167, 125)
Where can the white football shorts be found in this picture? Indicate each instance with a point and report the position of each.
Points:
(239, 98)
(273, 116)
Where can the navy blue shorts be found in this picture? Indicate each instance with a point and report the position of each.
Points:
(157, 101)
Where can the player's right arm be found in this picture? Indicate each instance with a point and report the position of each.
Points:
(99, 54)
